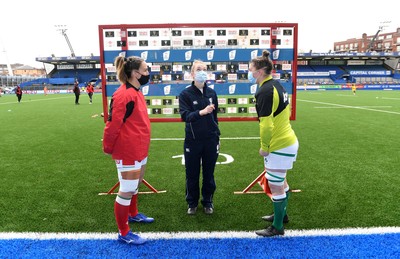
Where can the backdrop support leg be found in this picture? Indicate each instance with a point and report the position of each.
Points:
(152, 189)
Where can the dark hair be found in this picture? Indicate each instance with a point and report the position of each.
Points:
(263, 62)
(125, 66)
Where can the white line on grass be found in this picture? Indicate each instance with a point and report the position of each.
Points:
(233, 138)
(344, 95)
(200, 235)
(348, 106)
(323, 107)
(37, 100)
(388, 98)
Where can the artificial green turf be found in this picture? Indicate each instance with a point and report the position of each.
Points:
(52, 167)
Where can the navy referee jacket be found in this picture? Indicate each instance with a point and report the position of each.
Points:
(191, 101)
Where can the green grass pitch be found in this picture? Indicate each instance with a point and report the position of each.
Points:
(52, 167)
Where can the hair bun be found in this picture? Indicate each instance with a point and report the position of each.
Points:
(266, 53)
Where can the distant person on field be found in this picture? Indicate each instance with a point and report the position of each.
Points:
(77, 92)
(90, 91)
(198, 106)
(127, 138)
(45, 90)
(354, 89)
(279, 143)
(18, 92)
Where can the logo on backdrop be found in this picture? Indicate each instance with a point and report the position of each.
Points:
(188, 55)
(232, 54)
(144, 55)
(145, 89)
(275, 54)
(253, 54)
(232, 89)
(210, 55)
(253, 88)
(166, 55)
(167, 89)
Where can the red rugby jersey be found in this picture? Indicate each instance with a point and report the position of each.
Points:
(127, 132)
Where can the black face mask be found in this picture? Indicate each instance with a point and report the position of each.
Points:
(144, 79)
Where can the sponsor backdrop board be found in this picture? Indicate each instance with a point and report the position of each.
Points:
(170, 49)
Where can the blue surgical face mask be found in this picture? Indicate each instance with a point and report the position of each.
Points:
(251, 77)
(200, 76)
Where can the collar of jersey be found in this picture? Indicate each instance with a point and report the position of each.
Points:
(266, 79)
(129, 85)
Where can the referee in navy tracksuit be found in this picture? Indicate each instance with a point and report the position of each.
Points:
(198, 106)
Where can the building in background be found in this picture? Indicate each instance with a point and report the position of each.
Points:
(29, 71)
(380, 42)
(22, 70)
(20, 74)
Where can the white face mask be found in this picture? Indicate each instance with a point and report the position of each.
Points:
(251, 77)
(200, 76)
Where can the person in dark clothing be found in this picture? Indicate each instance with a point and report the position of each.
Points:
(18, 92)
(77, 92)
(198, 106)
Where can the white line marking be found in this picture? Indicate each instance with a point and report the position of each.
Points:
(347, 106)
(388, 98)
(321, 107)
(37, 100)
(200, 235)
(233, 138)
(346, 95)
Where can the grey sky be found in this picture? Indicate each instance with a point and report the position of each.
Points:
(27, 28)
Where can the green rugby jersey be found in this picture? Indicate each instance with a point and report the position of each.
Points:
(273, 110)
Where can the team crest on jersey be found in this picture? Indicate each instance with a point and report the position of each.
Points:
(195, 102)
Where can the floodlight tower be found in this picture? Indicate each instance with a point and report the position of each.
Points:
(10, 71)
(382, 26)
(63, 30)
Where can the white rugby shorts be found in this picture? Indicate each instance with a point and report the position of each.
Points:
(123, 166)
(283, 158)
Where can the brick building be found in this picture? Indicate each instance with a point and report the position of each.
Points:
(380, 42)
(22, 70)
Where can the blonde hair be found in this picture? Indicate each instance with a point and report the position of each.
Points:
(196, 62)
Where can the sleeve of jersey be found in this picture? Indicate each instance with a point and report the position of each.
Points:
(215, 112)
(266, 122)
(266, 127)
(113, 127)
(186, 110)
(215, 101)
